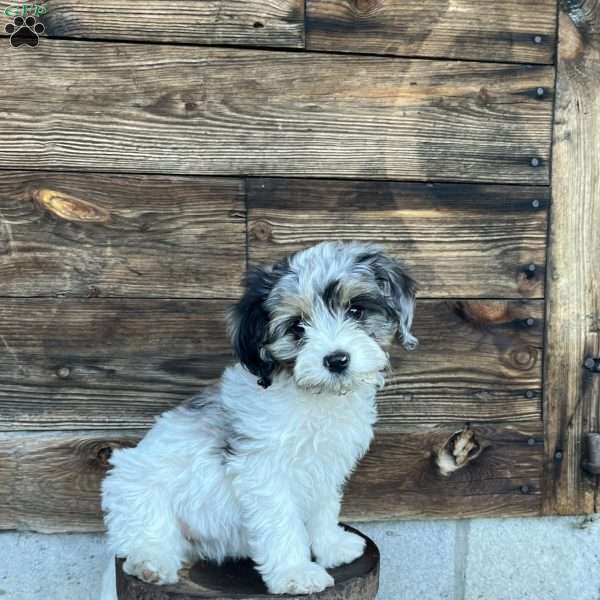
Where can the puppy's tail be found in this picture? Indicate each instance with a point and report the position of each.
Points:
(109, 582)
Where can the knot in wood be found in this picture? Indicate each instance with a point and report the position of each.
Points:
(104, 455)
(365, 7)
(524, 358)
(262, 231)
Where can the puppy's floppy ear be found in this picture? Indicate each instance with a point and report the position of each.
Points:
(400, 290)
(248, 324)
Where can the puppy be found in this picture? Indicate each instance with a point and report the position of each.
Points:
(255, 467)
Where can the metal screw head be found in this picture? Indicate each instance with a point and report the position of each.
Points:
(534, 162)
(537, 39)
(531, 267)
(530, 322)
(64, 372)
(589, 363)
(540, 91)
(558, 455)
(535, 204)
(531, 441)
(529, 394)
(524, 489)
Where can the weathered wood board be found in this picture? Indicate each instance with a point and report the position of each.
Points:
(209, 22)
(476, 361)
(511, 30)
(399, 479)
(93, 364)
(572, 392)
(55, 473)
(52, 482)
(111, 235)
(508, 31)
(456, 240)
(176, 109)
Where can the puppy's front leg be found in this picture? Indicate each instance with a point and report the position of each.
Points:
(331, 544)
(278, 540)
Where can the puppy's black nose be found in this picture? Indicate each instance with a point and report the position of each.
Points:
(337, 362)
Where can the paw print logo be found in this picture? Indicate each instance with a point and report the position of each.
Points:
(24, 31)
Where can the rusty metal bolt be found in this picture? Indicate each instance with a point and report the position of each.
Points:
(592, 461)
(592, 364)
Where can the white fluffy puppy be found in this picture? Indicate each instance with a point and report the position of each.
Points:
(255, 467)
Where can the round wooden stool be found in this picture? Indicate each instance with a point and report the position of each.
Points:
(238, 580)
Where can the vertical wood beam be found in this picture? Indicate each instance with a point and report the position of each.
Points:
(573, 286)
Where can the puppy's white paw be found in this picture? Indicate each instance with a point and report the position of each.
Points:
(340, 549)
(303, 579)
(150, 571)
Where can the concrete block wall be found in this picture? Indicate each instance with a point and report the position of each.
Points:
(479, 559)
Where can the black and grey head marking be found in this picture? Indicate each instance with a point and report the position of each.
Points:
(249, 320)
(319, 289)
(399, 291)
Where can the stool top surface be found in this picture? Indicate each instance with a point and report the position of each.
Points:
(238, 579)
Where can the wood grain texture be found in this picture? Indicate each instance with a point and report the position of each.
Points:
(154, 237)
(456, 240)
(572, 393)
(175, 109)
(92, 364)
(399, 479)
(479, 361)
(472, 29)
(276, 23)
(51, 481)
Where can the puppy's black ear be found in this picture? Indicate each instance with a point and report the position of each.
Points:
(248, 324)
(399, 289)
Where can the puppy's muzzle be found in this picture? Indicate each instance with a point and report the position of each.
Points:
(337, 362)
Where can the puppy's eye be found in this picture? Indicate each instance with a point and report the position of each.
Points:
(296, 329)
(356, 312)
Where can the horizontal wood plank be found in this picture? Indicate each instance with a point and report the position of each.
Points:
(456, 240)
(511, 30)
(51, 482)
(399, 479)
(89, 364)
(156, 236)
(55, 473)
(276, 23)
(476, 361)
(174, 109)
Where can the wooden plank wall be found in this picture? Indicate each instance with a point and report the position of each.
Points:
(143, 164)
